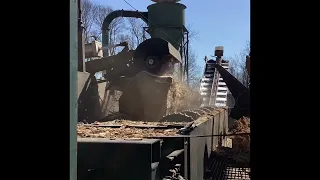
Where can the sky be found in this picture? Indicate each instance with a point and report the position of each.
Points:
(218, 22)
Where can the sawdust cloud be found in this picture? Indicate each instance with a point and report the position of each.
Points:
(182, 97)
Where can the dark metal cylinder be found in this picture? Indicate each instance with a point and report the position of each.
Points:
(166, 21)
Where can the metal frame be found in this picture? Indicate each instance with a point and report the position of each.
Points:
(73, 88)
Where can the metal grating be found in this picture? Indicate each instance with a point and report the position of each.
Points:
(220, 168)
(237, 173)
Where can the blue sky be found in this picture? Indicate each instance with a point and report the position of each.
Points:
(218, 22)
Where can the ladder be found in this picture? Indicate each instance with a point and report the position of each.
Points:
(207, 82)
(219, 90)
(213, 89)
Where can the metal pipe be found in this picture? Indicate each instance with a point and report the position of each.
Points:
(187, 58)
(186, 162)
(113, 15)
(185, 61)
(180, 65)
(219, 59)
(73, 117)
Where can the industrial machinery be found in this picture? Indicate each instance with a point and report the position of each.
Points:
(138, 74)
(213, 89)
(217, 82)
(153, 156)
(144, 76)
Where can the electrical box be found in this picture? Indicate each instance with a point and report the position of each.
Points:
(93, 49)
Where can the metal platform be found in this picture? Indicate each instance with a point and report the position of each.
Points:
(222, 168)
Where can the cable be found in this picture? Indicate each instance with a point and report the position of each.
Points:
(214, 135)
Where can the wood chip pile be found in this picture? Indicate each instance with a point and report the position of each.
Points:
(241, 126)
(240, 151)
(128, 122)
(125, 131)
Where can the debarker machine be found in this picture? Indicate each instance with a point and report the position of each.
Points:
(138, 73)
(144, 76)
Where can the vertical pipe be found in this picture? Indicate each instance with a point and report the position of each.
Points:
(186, 162)
(81, 56)
(105, 51)
(185, 69)
(219, 59)
(182, 57)
(73, 89)
(105, 42)
(187, 59)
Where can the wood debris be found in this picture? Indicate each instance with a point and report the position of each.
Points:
(181, 97)
(122, 132)
(241, 126)
(128, 122)
(240, 151)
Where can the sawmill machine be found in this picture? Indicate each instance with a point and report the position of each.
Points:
(143, 75)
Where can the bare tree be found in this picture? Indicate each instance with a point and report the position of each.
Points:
(237, 65)
(232, 69)
(127, 38)
(116, 27)
(194, 70)
(101, 13)
(87, 17)
(136, 30)
(193, 33)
